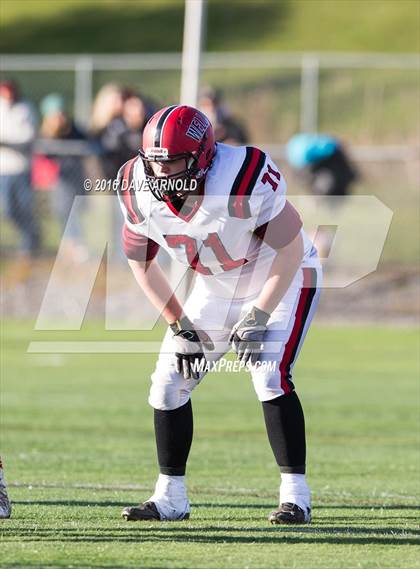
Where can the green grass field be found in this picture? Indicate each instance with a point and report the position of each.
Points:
(78, 446)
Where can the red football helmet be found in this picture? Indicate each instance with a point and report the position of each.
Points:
(174, 133)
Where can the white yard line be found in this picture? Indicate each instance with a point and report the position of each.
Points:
(214, 490)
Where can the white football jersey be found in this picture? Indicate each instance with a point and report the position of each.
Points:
(243, 191)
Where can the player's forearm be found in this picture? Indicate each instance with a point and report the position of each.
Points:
(156, 287)
(284, 267)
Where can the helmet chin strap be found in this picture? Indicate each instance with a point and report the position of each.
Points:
(168, 195)
(191, 172)
(164, 194)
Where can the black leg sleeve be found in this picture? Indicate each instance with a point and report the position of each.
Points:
(174, 432)
(285, 425)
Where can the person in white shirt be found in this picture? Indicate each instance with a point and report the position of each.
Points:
(17, 133)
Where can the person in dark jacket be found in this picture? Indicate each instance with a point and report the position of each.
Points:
(323, 162)
(57, 131)
(227, 129)
(118, 119)
(120, 116)
(326, 169)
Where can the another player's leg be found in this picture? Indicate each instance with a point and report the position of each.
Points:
(283, 412)
(5, 506)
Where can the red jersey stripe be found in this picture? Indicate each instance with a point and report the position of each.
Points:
(298, 326)
(244, 183)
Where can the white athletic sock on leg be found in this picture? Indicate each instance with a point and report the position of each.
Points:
(173, 486)
(170, 496)
(294, 489)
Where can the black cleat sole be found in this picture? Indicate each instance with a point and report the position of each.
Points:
(146, 512)
(289, 514)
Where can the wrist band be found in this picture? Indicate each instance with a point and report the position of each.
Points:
(259, 316)
(182, 323)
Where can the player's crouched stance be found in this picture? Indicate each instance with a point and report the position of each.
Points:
(5, 506)
(256, 290)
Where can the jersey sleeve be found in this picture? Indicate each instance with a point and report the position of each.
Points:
(277, 222)
(268, 195)
(126, 190)
(138, 247)
(282, 229)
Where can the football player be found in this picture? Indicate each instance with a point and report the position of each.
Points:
(222, 211)
(5, 507)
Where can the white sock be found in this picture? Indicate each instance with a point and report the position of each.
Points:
(170, 486)
(294, 489)
(170, 496)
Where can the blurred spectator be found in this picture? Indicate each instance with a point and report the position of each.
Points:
(118, 119)
(326, 169)
(107, 126)
(323, 162)
(58, 126)
(135, 115)
(17, 133)
(226, 128)
(107, 106)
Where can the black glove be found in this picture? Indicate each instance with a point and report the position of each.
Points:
(247, 336)
(189, 347)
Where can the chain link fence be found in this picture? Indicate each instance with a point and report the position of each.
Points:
(368, 101)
